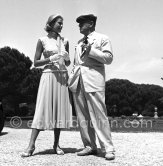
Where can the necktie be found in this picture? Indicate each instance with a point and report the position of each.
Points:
(85, 41)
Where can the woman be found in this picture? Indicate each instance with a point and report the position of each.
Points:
(53, 109)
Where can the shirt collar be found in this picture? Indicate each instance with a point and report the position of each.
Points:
(91, 34)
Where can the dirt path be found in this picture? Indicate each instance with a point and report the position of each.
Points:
(132, 149)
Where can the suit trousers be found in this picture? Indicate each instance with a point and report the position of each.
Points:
(91, 113)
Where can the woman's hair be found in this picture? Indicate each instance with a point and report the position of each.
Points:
(52, 19)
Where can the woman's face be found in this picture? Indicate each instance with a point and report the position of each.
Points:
(57, 25)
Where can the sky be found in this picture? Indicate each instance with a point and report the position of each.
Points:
(135, 28)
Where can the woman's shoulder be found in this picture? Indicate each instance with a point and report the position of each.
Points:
(43, 38)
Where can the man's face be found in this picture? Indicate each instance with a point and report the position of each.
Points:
(85, 27)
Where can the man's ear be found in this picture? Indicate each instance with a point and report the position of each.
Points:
(91, 24)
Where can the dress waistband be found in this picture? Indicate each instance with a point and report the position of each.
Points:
(53, 68)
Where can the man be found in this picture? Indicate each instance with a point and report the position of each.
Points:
(88, 87)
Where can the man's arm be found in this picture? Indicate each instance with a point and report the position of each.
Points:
(104, 55)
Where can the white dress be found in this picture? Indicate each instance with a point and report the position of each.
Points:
(53, 108)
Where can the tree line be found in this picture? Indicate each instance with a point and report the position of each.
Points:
(19, 83)
(125, 98)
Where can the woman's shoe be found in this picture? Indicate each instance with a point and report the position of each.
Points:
(58, 150)
(28, 153)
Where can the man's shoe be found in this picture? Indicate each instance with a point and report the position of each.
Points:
(87, 151)
(110, 156)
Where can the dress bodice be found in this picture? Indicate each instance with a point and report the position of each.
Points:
(51, 47)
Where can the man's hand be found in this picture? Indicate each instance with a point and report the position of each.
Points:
(86, 49)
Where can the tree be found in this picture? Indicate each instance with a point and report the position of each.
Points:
(14, 67)
(122, 94)
(129, 97)
(29, 86)
(1, 117)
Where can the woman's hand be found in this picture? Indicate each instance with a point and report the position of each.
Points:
(65, 55)
(55, 57)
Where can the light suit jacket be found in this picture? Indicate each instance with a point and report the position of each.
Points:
(91, 67)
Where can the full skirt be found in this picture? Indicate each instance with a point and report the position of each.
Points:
(53, 107)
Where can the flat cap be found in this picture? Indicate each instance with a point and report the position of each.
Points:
(88, 17)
